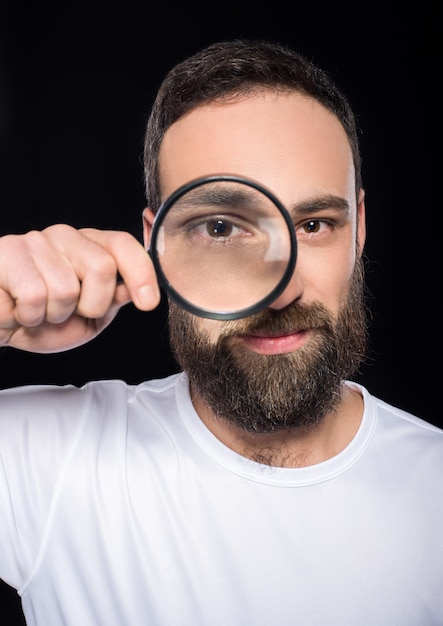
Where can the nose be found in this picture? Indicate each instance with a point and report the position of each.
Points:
(292, 292)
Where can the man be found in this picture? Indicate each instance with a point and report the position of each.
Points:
(260, 486)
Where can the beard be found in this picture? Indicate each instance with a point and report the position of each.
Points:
(275, 393)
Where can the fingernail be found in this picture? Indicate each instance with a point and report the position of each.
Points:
(148, 295)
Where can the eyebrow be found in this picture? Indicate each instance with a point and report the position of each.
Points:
(214, 195)
(225, 194)
(314, 205)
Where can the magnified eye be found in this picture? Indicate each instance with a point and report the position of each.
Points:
(216, 228)
(219, 228)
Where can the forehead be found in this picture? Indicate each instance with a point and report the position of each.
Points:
(283, 140)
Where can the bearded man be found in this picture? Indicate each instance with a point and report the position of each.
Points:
(259, 485)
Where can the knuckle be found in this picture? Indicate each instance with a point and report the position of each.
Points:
(66, 294)
(103, 265)
(11, 245)
(33, 296)
(58, 230)
(123, 236)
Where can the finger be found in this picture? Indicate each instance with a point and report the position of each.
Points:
(93, 265)
(22, 282)
(7, 316)
(134, 266)
(62, 285)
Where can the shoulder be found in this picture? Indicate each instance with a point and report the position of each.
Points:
(402, 436)
(43, 402)
(48, 422)
(394, 416)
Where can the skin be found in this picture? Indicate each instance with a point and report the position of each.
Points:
(299, 150)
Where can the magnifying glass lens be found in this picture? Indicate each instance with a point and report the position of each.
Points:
(223, 247)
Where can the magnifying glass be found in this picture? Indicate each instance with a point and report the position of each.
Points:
(224, 247)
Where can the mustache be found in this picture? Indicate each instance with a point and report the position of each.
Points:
(294, 317)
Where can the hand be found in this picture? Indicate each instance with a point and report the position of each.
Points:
(59, 287)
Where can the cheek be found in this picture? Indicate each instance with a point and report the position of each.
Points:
(327, 275)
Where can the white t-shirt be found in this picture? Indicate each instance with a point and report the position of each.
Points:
(119, 508)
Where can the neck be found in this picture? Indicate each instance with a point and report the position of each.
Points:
(290, 449)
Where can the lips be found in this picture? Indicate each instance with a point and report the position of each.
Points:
(276, 343)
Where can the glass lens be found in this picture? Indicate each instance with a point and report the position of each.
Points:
(223, 246)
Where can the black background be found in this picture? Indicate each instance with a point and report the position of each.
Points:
(77, 81)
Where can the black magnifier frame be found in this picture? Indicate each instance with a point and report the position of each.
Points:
(177, 297)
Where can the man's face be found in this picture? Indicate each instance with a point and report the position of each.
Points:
(299, 150)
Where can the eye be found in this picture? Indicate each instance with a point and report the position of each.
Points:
(313, 226)
(315, 229)
(219, 228)
(216, 228)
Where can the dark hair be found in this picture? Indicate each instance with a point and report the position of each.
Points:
(229, 68)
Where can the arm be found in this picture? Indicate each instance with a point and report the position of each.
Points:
(59, 288)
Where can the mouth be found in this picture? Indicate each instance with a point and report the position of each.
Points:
(270, 344)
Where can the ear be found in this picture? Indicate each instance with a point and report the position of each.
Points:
(361, 222)
(148, 220)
